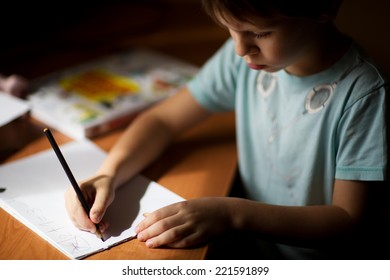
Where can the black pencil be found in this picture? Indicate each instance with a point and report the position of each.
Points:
(71, 177)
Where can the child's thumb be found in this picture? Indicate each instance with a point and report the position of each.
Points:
(98, 209)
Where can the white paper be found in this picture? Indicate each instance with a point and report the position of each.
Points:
(11, 108)
(35, 189)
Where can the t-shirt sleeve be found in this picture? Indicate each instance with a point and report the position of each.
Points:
(214, 85)
(362, 137)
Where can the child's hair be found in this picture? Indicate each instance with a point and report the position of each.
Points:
(245, 10)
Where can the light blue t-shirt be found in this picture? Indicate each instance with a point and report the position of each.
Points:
(296, 135)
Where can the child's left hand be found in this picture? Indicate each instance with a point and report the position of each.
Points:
(185, 223)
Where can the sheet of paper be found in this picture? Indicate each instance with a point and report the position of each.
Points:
(11, 108)
(35, 189)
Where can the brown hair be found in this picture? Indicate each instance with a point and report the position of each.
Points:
(246, 9)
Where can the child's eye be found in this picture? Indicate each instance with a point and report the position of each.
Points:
(262, 35)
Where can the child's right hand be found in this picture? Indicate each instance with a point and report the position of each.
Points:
(99, 193)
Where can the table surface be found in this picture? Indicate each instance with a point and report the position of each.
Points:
(202, 162)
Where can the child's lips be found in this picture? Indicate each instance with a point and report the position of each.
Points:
(256, 66)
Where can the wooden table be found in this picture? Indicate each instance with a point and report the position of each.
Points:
(202, 162)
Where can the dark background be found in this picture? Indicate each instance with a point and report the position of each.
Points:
(38, 37)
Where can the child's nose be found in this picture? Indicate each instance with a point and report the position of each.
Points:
(245, 47)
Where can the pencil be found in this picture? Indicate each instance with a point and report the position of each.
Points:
(71, 177)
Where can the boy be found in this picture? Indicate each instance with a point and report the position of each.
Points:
(311, 137)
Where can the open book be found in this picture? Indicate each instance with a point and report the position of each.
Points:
(100, 95)
(33, 192)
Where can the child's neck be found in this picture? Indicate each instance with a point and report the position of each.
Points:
(326, 49)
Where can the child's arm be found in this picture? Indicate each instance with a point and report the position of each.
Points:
(141, 143)
(197, 221)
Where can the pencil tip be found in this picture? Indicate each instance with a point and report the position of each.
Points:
(99, 233)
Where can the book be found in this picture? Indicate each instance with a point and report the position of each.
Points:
(32, 190)
(11, 108)
(98, 96)
(13, 113)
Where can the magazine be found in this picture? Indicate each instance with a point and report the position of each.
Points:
(92, 98)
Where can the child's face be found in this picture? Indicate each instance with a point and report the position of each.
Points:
(274, 44)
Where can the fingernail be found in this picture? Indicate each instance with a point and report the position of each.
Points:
(149, 243)
(140, 237)
(95, 217)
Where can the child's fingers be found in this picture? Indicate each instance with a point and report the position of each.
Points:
(99, 206)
